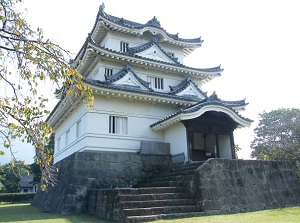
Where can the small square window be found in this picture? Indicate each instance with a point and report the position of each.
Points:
(118, 125)
(124, 47)
(156, 83)
(108, 71)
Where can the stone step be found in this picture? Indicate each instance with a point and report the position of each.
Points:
(127, 190)
(161, 210)
(187, 169)
(136, 219)
(156, 190)
(170, 178)
(176, 173)
(150, 190)
(164, 184)
(187, 166)
(157, 203)
(158, 196)
(163, 196)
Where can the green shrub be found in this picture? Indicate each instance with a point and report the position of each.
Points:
(16, 197)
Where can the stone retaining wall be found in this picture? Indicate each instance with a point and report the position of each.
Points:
(234, 186)
(83, 171)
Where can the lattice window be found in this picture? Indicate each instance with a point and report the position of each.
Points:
(108, 71)
(124, 47)
(118, 125)
(156, 83)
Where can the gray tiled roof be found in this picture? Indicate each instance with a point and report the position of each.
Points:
(214, 97)
(212, 69)
(108, 83)
(133, 50)
(211, 100)
(134, 89)
(189, 80)
(122, 73)
(134, 25)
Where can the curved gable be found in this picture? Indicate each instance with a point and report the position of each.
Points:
(188, 88)
(152, 51)
(196, 111)
(191, 90)
(127, 77)
(155, 53)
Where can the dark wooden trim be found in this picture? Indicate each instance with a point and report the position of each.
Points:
(217, 145)
(232, 145)
(188, 141)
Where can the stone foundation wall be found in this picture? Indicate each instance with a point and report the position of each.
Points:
(105, 204)
(83, 171)
(234, 186)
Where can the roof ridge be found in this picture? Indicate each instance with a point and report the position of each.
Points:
(135, 25)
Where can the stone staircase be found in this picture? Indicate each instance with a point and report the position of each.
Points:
(164, 196)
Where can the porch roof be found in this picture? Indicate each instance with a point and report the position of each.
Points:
(212, 103)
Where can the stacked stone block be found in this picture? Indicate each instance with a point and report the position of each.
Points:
(234, 186)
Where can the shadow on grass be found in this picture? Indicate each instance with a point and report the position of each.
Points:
(28, 213)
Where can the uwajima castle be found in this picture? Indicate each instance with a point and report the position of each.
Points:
(154, 145)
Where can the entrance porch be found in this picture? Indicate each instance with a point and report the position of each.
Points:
(210, 136)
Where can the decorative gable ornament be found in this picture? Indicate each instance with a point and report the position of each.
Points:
(130, 80)
(188, 88)
(127, 77)
(191, 90)
(154, 53)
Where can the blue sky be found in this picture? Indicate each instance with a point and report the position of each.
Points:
(256, 42)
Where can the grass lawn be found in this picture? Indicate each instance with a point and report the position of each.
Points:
(285, 215)
(24, 213)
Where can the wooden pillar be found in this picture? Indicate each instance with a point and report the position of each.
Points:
(189, 146)
(204, 141)
(232, 145)
(217, 146)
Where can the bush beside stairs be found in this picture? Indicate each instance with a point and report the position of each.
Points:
(164, 196)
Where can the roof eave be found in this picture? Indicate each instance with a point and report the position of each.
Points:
(209, 75)
(190, 44)
(141, 96)
(180, 116)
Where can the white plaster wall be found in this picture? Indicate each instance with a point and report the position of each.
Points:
(140, 116)
(62, 150)
(98, 72)
(178, 51)
(112, 41)
(94, 124)
(176, 136)
(170, 79)
(224, 147)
